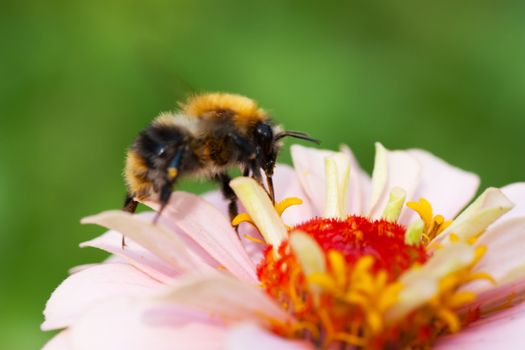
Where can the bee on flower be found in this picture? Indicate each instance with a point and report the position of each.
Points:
(341, 260)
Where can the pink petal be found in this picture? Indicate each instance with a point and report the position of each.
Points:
(59, 342)
(135, 255)
(496, 298)
(359, 185)
(309, 166)
(131, 324)
(212, 231)
(403, 171)
(216, 199)
(504, 261)
(85, 289)
(154, 238)
(516, 193)
(501, 330)
(223, 295)
(446, 187)
(506, 248)
(250, 336)
(253, 249)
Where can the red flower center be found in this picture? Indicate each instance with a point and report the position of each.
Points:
(326, 313)
(358, 236)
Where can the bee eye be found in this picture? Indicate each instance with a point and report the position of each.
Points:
(161, 151)
(264, 131)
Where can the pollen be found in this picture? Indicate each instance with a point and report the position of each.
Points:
(433, 225)
(338, 276)
(345, 280)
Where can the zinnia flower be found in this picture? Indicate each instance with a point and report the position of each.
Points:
(380, 262)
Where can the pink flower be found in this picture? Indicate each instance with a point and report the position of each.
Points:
(391, 273)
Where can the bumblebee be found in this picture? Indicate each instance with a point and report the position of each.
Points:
(210, 134)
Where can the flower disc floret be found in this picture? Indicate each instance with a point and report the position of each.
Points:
(357, 236)
(363, 259)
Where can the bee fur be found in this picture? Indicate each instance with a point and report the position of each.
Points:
(210, 134)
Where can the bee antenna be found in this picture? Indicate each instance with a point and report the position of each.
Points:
(297, 135)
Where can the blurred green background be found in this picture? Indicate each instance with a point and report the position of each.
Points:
(79, 79)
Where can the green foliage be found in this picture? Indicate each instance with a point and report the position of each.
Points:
(78, 80)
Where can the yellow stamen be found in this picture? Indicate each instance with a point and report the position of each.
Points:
(322, 280)
(243, 217)
(309, 326)
(254, 240)
(454, 237)
(357, 299)
(374, 321)
(327, 325)
(338, 266)
(389, 296)
(296, 299)
(479, 253)
(460, 299)
(286, 203)
(349, 338)
(424, 209)
(450, 318)
(476, 276)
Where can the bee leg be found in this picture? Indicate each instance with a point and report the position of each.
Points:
(271, 190)
(164, 198)
(166, 189)
(224, 180)
(130, 205)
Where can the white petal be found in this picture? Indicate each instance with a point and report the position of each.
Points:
(447, 188)
(489, 206)
(359, 186)
(516, 194)
(59, 342)
(309, 165)
(337, 175)
(392, 169)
